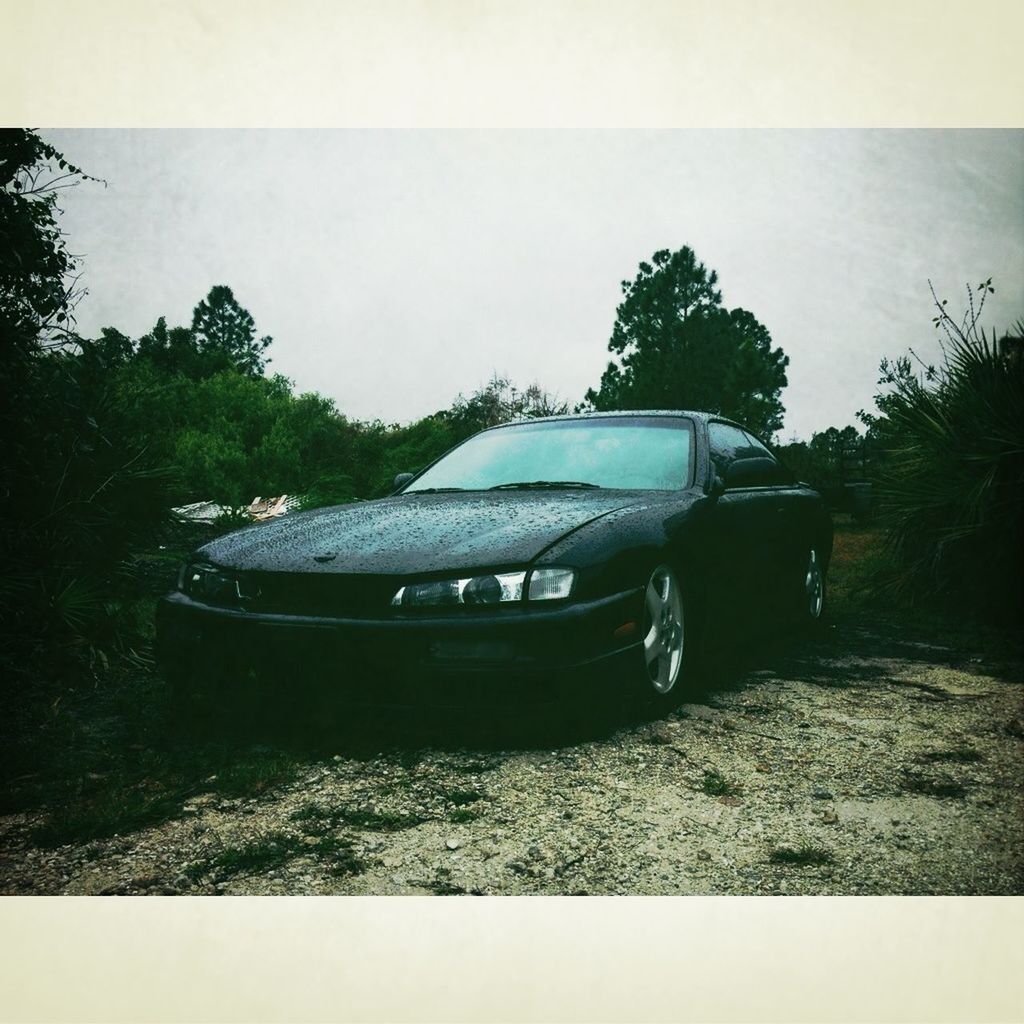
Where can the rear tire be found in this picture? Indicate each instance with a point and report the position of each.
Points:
(811, 599)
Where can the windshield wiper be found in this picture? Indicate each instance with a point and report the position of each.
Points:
(527, 485)
(435, 490)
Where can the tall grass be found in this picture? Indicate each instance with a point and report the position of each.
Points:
(952, 490)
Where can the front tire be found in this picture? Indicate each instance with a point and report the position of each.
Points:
(666, 648)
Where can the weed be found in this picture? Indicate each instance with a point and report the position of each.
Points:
(254, 773)
(339, 856)
(443, 888)
(263, 855)
(803, 856)
(477, 766)
(373, 821)
(255, 858)
(941, 788)
(716, 784)
(961, 755)
(275, 850)
(462, 797)
(857, 555)
(318, 818)
(312, 812)
(110, 812)
(462, 815)
(147, 786)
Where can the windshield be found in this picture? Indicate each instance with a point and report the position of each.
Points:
(636, 453)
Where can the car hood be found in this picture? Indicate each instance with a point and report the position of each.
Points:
(417, 533)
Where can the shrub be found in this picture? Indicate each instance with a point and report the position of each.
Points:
(80, 497)
(952, 488)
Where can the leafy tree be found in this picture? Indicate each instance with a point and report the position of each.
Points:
(221, 326)
(175, 350)
(228, 417)
(678, 347)
(36, 270)
(388, 451)
(231, 436)
(837, 456)
(110, 350)
(499, 401)
(77, 491)
(833, 458)
(152, 404)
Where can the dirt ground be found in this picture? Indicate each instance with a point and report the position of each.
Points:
(852, 762)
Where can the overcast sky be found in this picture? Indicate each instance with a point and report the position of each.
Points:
(395, 269)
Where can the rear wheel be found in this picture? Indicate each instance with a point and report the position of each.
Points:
(812, 598)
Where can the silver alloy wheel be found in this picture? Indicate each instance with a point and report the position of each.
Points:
(814, 586)
(663, 640)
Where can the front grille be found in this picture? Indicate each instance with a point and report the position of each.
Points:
(317, 594)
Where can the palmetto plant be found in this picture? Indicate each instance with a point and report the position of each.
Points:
(952, 491)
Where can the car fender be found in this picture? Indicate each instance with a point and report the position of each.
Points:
(616, 551)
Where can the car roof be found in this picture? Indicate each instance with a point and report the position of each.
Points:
(692, 413)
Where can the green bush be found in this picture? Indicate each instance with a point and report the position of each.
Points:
(80, 497)
(952, 487)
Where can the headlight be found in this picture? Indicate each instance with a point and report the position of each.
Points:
(208, 584)
(500, 588)
(551, 584)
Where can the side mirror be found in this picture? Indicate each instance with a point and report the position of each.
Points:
(754, 472)
(402, 479)
(717, 488)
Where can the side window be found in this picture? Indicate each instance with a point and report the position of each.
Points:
(782, 475)
(759, 449)
(728, 443)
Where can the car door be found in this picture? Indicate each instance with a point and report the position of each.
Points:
(749, 521)
(786, 539)
(736, 523)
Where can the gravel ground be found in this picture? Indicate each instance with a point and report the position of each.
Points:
(852, 763)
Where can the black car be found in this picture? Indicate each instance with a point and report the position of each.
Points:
(570, 551)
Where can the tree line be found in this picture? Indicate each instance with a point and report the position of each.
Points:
(104, 435)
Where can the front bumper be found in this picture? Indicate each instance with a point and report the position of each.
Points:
(514, 655)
